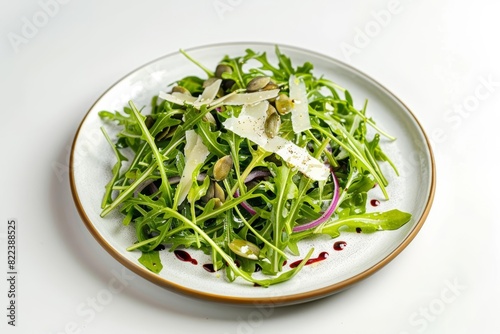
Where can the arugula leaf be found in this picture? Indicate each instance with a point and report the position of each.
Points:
(116, 171)
(366, 223)
(211, 139)
(152, 261)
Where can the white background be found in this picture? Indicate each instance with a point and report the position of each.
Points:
(440, 57)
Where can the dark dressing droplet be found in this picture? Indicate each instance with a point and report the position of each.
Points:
(184, 256)
(339, 245)
(375, 202)
(358, 229)
(209, 267)
(322, 256)
(160, 247)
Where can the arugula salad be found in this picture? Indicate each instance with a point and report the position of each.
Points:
(244, 163)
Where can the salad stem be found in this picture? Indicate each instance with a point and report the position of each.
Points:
(159, 158)
(372, 123)
(261, 154)
(356, 154)
(206, 70)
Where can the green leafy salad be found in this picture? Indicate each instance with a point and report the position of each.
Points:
(243, 164)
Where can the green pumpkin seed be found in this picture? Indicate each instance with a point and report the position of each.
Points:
(257, 83)
(222, 167)
(273, 123)
(209, 194)
(245, 249)
(217, 203)
(180, 89)
(270, 110)
(221, 68)
(219, 193)
(270, 86)
(215, 192)
(283, 104)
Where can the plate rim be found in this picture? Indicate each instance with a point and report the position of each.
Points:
(249, 301)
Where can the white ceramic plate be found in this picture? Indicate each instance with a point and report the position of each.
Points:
(412, 191)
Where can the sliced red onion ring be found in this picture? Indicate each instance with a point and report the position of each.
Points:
(328, 212)
(171, 180)
(244, 204)
(143, 185)
(256, 174)
(175, 179)
(251, 176)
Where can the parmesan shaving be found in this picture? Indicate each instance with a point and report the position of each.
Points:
(250, 124)
(177, 98)
(249, 98)
(209, 93)
(300, 109)
(195, 153)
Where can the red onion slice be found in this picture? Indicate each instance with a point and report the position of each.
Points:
(251, 176)
(244, 204)
(328, 213)
(324, 217)
(256, 174)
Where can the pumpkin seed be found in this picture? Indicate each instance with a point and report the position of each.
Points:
(222, 167)
(219, 193)
(283, 104)
(209, 194)
(221, 68)
(273, 123)
(245, 249)
(217, 203)
(180, 89)
(257, 83)
(270, 110)
(270, 86)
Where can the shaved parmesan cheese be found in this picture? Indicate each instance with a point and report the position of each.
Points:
(195, 153)
(177, 98)
(206, 97)
(250, 124)
(208, 94)
(300, 109)
(298, 157)
(248, 98)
